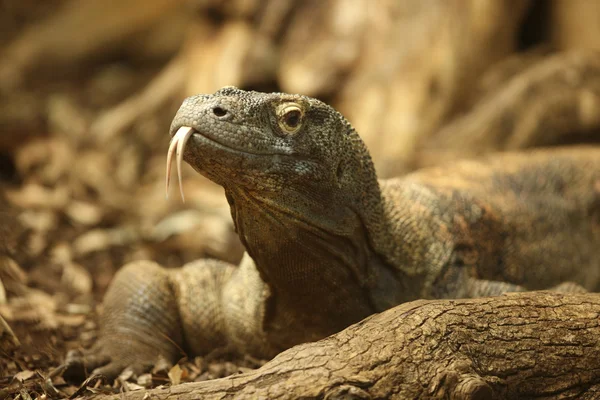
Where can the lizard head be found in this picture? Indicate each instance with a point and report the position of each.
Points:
(293, 149)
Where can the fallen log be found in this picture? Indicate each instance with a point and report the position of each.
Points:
(536, 344)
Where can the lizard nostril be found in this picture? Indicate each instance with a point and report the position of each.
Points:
(219, 111)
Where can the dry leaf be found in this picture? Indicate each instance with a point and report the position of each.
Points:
(145, 380)
(102, 239)
(71, 320)
(33, 195)
(25, 394)
(130, 386)
(39, 220)
(84, 213)
(12, 271)
(76, 279)
(161, 365)
(2, 293)
(50, 390)
(8, 340)
(36, 308)
(24, 375)
(126, 374)
(175, 374)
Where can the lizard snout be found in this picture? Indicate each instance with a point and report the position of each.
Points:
(201, 111)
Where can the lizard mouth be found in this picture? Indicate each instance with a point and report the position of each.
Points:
(177, 145)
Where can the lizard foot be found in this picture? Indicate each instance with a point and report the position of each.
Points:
(140, 322)
(79, 364)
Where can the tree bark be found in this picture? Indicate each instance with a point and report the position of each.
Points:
(525, 345)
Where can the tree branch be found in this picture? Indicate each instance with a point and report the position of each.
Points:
(515, 346)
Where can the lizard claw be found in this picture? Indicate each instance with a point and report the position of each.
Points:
(78, 364)
(81, 364)
(113, 369)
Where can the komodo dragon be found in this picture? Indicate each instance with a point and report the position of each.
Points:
(328, 244)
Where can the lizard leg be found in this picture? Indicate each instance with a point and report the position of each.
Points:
(484, 288)
(147, 315)
(569, 287)
(139, 322)
(223, 305)
(199, 295)
(150, 311)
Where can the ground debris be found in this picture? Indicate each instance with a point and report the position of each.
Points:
(83, 149)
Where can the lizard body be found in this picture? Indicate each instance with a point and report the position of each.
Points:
(328, 244)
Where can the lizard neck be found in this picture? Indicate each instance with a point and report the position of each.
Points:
(318, 257)
(317, 266)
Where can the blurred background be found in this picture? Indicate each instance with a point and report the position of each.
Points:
(88, 89)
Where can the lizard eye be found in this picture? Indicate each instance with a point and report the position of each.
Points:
(290, 118)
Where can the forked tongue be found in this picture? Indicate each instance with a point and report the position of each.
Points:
(177, 145)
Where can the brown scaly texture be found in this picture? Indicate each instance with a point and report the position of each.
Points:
(328, 244)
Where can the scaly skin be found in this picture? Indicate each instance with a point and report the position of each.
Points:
(328, 244)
